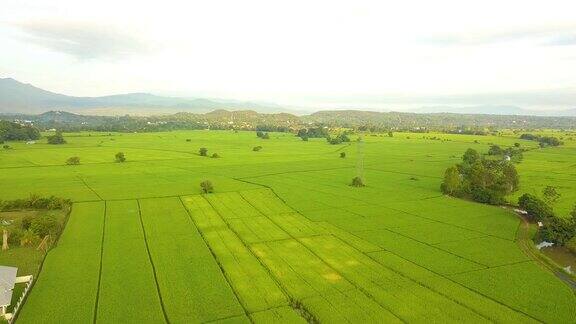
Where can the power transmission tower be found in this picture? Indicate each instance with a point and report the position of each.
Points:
(360, 158)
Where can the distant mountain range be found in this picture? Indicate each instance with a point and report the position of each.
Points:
(18, 97)
(494, 110)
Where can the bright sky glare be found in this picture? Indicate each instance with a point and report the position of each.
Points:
(304, 53)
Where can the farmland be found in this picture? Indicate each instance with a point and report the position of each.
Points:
(283, 237)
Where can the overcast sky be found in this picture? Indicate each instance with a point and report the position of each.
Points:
(377, 54)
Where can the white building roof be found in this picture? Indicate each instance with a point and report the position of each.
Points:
(7, 280)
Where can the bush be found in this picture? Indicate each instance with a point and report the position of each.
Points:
(495, 150)
(342, 155)
(28, 238)
(26, 222)
(215, 156)
(257, 148)
(203, 151)
(14, 236)
(44, 225)
(120, 157)
(56, 139)
(6, 147)
(35, 202)
(74, 160)
(357, 182)
(206, 186)
(188, 140)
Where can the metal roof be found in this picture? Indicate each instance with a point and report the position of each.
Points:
(7, 280)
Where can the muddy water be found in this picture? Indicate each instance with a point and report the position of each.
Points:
(562, 256)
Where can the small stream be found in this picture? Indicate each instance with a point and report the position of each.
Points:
(562, 256)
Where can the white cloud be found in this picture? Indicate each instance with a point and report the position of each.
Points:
(294, 52)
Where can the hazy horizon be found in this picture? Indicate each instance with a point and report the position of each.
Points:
(321, 55)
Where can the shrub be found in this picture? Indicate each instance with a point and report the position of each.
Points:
(26, 222)
(188, 140)
(342, 154)
(206, 186)
(56, 139)
(28, 238)
(14, 236)
(120, 157)
(74, 160)
(215, 156)
(6, 147)
(357, 182)
(35, 202)
(257, 148)
(44, 225)
(495, 150)
(550, 194)
(203, 151)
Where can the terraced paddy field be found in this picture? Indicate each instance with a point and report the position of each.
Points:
(283, 238)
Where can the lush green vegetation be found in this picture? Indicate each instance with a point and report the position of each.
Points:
(481, 179)
(15, 132)
(283, 236)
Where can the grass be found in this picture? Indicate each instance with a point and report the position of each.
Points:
(284, 237)
(67, 288)
(127, 285)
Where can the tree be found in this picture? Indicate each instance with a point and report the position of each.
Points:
(471, 156)
(357, 182)
(56, 139)
(206, 186)
(390, 134)
(536, 208)
(215, 156)
(550, 194)
(203, 151)
(573, 213)
(495, 150)
(342, 154)
(74, 160)
(6, 147)
(510, 177)
(452, 182)
(257, 148)
(558, 230)
(259, 134)
(120, 157)
(516, 144)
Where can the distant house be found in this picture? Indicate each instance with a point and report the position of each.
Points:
(7, 281)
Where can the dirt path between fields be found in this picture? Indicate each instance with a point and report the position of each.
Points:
(527, 246)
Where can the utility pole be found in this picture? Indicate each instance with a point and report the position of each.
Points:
(360, 158)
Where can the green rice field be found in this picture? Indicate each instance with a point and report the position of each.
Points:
(283, 238)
